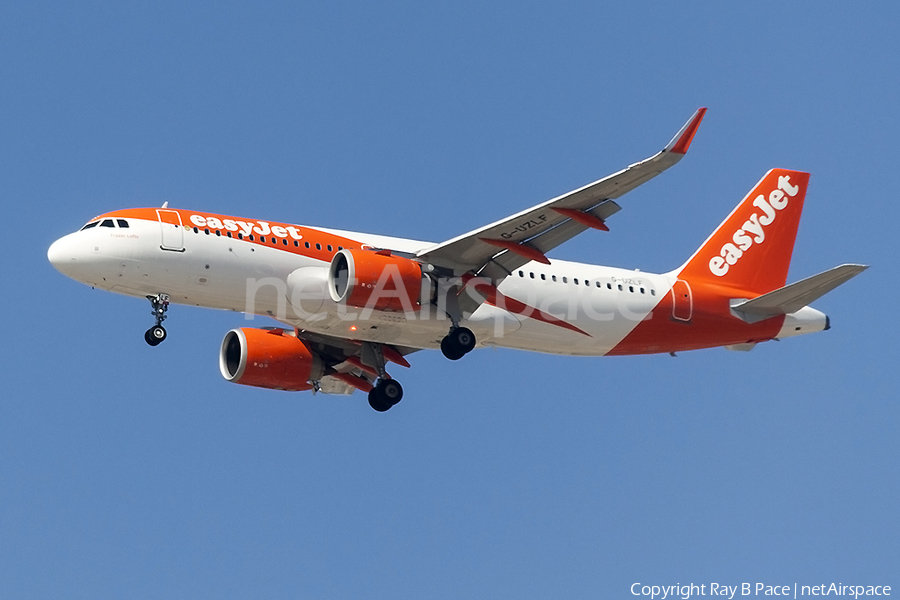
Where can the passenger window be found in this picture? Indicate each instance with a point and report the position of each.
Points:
(642, 290)
(240, 235)
(296, 244)
(565, 280)
(284, 242)
(122, 223)
(609, 286)
(250, 237)
(587, 283)
(543, 277)
(340, 248)
(229, 234)
(598, 284)
(620, 287)
(107, 223)
(218, 233)
(307, 244)
(206, 231)
(329, 248)
(631, 288)
(532, 275)
(652, 292)
(575, 281)
(521, 274)
(318, 246)
(89, 225)
(553, 277)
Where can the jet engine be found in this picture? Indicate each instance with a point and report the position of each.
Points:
(378, 280)
(268, 358)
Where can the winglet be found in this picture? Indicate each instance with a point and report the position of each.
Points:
(682, 140)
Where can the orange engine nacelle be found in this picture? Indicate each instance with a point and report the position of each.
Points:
(378, 280)
(268, 358)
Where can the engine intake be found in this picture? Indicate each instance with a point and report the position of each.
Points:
(268, 358)
(378, 280)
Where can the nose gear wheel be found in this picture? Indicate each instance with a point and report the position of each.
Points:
(157, 334)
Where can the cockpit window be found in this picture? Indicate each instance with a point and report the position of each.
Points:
(107, 223)
(89, 225)
(122, 223)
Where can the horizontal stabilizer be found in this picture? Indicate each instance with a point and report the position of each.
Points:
(792, 298)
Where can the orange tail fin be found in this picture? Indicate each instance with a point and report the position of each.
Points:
(751, 250)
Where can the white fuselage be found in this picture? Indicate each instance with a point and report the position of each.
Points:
(215, 271)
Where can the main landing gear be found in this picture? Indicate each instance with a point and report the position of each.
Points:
(459, 342)
(387, 392)
(157, 334)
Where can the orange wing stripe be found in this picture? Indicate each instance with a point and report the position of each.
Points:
(522, 250)
(357, 382)
(583, 218)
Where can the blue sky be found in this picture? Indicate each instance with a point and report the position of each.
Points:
(129, 471)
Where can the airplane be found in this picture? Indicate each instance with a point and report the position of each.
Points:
(350, 303)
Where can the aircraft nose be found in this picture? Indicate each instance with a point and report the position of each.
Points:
(61, 254)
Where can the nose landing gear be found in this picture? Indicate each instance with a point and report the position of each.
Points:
(157, 334)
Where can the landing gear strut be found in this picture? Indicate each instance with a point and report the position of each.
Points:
(157, 334)
(387, 392)
(458, 343)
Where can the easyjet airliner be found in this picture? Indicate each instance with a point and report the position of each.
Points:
(351, 302)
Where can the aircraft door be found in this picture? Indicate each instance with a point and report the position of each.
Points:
(682, 301)
(172, 230)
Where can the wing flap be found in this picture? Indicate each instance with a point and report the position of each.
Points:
(504, 263)
(333, 386)
(345, 372)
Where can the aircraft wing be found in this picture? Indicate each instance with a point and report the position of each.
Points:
(347, 367)
(495, 250)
